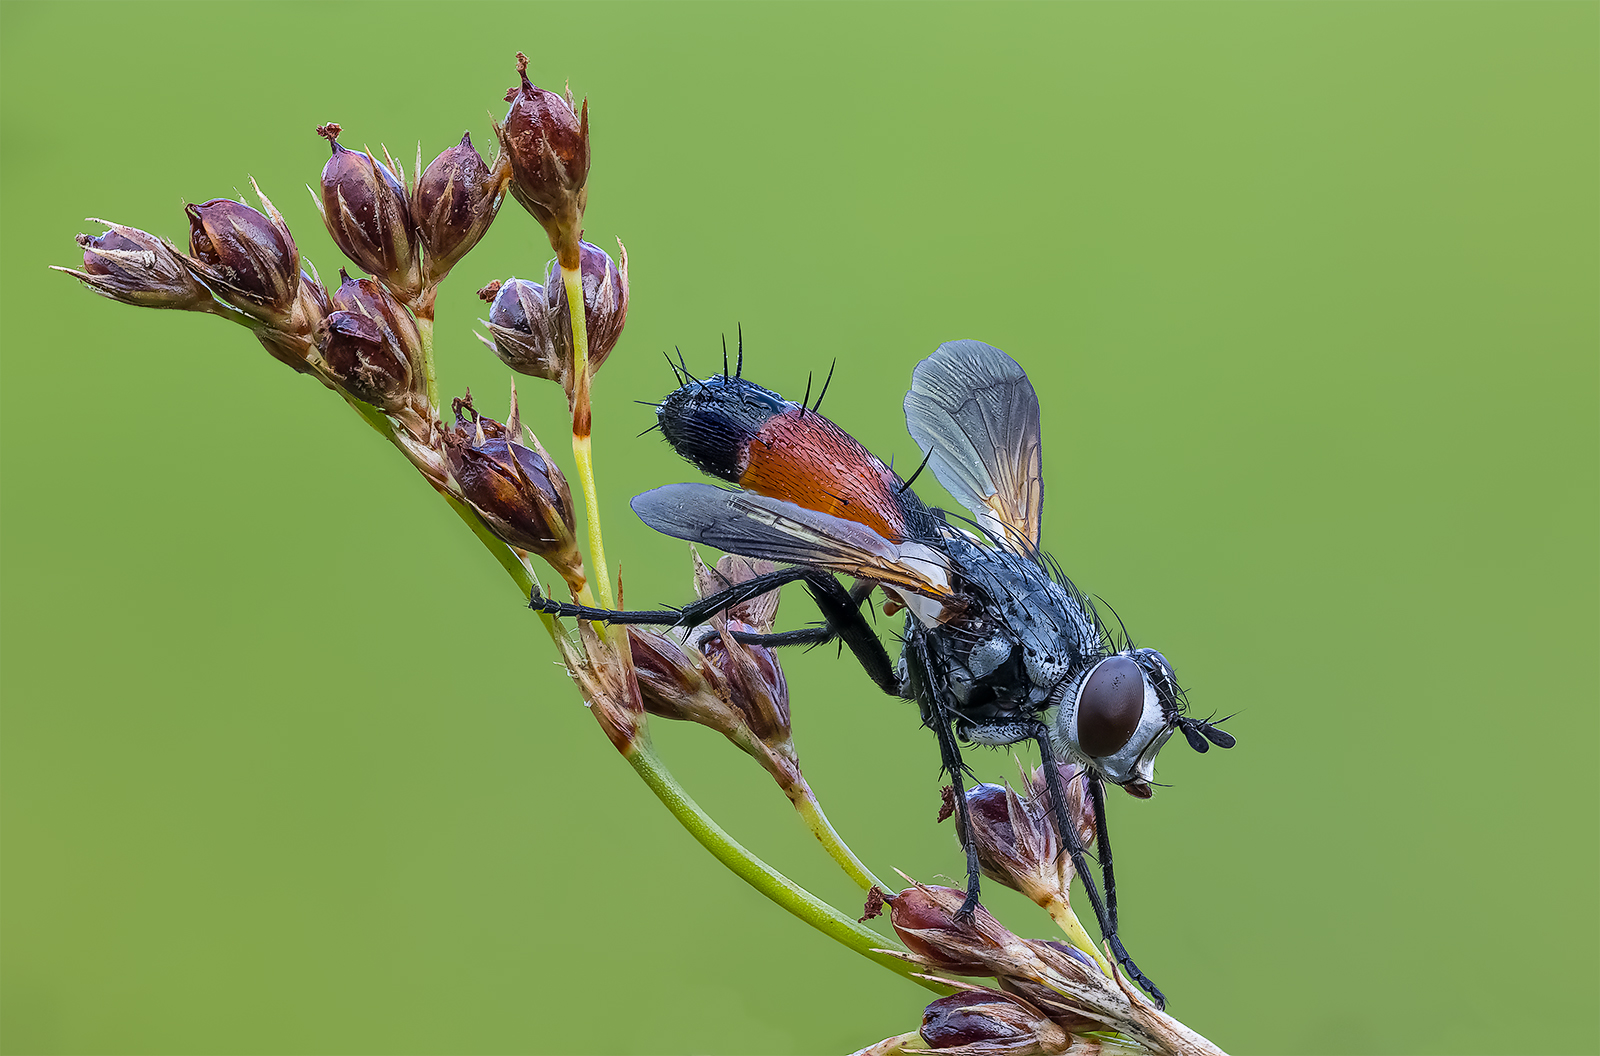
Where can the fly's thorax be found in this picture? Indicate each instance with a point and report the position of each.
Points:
(1020, 635)
(1112, 716)
(1025, 609)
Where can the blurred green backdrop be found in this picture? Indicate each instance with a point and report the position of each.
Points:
(1311, 287)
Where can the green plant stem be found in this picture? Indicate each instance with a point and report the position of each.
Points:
(642, 756)
(582, 449)
(1060, 911)
(424, 317)
(805, 802)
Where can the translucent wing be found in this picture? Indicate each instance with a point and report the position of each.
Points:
(975, 415)
(742, 522)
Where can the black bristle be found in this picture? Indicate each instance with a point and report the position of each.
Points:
(818, 405)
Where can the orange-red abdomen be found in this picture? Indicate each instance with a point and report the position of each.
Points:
(801, 457)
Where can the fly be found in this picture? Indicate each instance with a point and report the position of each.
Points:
(999, 646)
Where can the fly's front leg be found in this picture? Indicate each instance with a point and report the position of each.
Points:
(1105, 912)
(1103, 842)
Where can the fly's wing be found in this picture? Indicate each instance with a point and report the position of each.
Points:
(751, 525)
(975, 415)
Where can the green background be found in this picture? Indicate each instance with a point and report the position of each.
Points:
(1309, 295)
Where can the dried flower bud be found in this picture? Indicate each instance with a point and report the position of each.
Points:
(708, 677)
(605, 303)
(518, 491)
(248, 259)
(605, 676)
(365, 364)
(366, 210)
(523, 337)
(751, 677)
(456, 199)
(1059, 981)
(371, 345)
(1066, 1012)
(138, 268)
(676, 683)
(548, 147)
(1079, 807)
(1017, 844)
(927, 921)
(990, 1022)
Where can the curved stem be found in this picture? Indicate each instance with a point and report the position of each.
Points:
(1061, 912)
(786, 893)
(641, 753)
(422, 310)
(810, 810)
(582, 450)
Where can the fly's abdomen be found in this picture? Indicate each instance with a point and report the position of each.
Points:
(713, 422)
(752, 437)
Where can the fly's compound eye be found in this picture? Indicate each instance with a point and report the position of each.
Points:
(1110, 706)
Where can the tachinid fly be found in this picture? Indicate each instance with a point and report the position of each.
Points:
(999, 646)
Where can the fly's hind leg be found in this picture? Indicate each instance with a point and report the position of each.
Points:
(844, 620)
(841, 611)
(688, 616)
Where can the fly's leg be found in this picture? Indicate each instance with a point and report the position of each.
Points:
(821, 634)
(934, 715)
(689, 615)
(1102, 839)
(1103, 842)
(841, 609)
(1105, 912)
(843, 619)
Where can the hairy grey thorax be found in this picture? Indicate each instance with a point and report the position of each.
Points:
(1022, 635)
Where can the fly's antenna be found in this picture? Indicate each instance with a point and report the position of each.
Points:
(1198, 731)
(917, 474)
(816, 406)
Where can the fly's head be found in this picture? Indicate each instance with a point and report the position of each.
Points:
(1120, 711)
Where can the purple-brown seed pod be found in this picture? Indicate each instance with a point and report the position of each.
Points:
(456, 199)
(518, 491)
(397, 330)
(522, 332)
(363, 361)
(990, 1022)
(605, 303)
(138, 268)
(547, 145)
(248, 259)
(366, 210)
